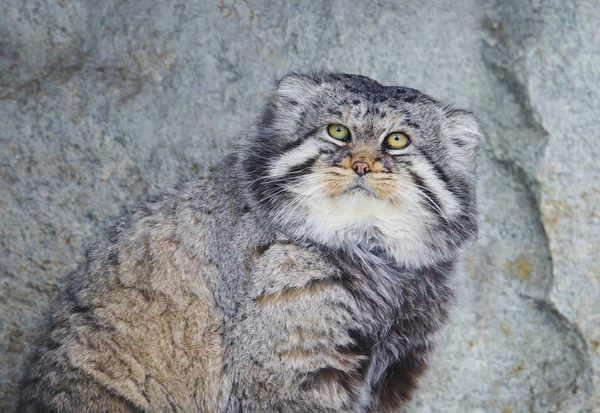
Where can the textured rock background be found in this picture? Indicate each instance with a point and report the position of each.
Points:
(105, 102)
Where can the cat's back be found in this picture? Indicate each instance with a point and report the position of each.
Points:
(143, 315)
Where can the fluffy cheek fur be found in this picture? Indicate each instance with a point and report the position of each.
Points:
(385, 212)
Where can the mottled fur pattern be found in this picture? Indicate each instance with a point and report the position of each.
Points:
(283, 281)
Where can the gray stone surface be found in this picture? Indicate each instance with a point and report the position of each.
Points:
(105, 102)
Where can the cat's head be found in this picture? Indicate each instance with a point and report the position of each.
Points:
(344, 161)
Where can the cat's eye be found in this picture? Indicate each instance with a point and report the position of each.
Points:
(338, 132)
(397, 140)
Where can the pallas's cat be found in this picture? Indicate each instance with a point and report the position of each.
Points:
(311, 271)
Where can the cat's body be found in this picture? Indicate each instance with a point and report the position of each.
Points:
(232, 294)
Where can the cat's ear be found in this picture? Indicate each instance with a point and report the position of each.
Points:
(464, 133)
(296, 89)
(285, 106)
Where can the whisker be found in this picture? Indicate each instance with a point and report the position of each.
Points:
(430, 201)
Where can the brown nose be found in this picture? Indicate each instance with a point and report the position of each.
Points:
(361, 168)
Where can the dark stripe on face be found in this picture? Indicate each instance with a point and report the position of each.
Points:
(458, 142)
(329, 149)
(439, 173)
(456, 186)
(431, 200)
(281, 146)
(412, 125)
(310, 133)
(270, 145)
(302, 169)
(289, 146)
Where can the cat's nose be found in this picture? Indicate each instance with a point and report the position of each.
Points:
(361, 168)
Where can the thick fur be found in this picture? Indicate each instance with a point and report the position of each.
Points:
(283, 282)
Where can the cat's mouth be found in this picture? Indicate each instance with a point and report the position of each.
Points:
(359, 185)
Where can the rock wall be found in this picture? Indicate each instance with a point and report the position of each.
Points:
(105, 102)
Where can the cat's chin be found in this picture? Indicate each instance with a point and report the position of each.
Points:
(358, 219)
(356, 206)
(359, 190)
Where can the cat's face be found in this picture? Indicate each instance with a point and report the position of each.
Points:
(345, 161)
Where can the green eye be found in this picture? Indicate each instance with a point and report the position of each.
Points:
(339, 132)
(397, 140)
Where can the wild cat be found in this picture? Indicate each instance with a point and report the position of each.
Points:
(311, 271)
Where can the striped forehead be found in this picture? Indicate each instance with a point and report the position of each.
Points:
(367, 119)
